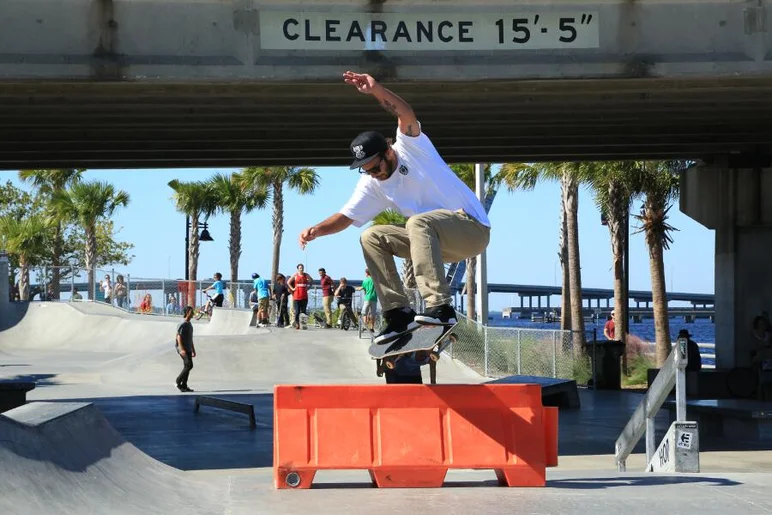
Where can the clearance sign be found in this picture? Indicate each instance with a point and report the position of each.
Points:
(428, 31)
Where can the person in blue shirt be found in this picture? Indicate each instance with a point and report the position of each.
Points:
(219, 289)
(261, 287)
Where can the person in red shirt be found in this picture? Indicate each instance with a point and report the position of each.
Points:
(327, 288)
(299, 284)
(608, 328)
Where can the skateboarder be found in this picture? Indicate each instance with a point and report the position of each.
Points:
(446, 222)
(185, 348)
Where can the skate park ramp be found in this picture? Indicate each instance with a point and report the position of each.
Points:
(66, 458)
(113, 435)
(89, 350)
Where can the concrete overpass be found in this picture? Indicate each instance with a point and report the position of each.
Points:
(171, 83)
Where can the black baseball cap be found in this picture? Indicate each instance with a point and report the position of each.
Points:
(366, 147)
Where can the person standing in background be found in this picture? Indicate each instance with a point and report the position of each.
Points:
(186, 349)
(299, 285)
(327, 296)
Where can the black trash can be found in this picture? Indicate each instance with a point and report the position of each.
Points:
(605, 358)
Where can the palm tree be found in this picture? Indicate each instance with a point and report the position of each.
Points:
(27, 239)
(466, 172)
(659, 184)
(87, 203)
(235, 201)
(273, 179)
(520, 176)
(615, 184)
(193, 199)
(48, 182)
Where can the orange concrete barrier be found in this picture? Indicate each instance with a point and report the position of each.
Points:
(410, 435)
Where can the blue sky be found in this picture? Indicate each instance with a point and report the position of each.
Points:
(523, 247)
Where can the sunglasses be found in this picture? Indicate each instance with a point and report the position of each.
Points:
(373, 169)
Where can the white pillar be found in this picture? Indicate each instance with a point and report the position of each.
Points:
(481, 276)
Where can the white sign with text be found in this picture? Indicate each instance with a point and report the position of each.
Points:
(306, 30)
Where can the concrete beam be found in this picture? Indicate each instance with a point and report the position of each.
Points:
(170, 83)
(183, 40)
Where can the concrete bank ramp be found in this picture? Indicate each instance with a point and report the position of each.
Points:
(65, 458)
(227, 321)
(86, 326)
(107, 351)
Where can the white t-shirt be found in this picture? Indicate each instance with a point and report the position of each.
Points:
(422, 182)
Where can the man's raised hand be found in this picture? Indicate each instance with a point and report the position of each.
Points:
(306, 236)
(362, 81)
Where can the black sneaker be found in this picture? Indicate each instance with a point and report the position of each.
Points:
(439, 315)
(398, 322)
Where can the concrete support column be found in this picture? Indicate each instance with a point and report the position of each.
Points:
(737, 204)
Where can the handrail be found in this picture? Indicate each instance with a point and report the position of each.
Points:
(673, 372)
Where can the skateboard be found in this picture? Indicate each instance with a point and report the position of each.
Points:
(303, 321)
(429, 339)
(320, 322)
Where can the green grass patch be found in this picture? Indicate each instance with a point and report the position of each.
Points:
(637, 369)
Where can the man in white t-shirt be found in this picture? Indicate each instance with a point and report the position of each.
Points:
(446, 222)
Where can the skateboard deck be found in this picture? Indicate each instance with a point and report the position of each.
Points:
(431, 339)
(303, 321)
(319, 320)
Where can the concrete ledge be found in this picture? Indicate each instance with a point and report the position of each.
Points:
(239, 407)
(560, 393)
(14, 394)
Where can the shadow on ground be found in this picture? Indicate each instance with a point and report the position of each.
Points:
(40, 380)
(596, 483)
(167, 429)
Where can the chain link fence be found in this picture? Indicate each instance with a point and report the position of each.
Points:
(502, 351)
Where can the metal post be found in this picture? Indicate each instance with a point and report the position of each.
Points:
(5, 281)
(128, 292)
(554, 355)
(518, 353)
(163, 295)
(594, 359)
(680, 387)
(481, 274)
(187, 250)
(651, 442)
(485, 339)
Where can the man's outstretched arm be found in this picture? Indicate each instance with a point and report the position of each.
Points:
(391, 102)
(331, 225)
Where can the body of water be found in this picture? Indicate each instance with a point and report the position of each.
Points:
(702, 330)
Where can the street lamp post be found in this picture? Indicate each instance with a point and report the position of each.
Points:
(205, 236)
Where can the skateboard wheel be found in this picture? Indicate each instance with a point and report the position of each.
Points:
(434, 356)
(453, 338)
(390, 365)
(293, 479)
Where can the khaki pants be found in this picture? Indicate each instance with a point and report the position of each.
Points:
(429, 239)
(327, 305)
